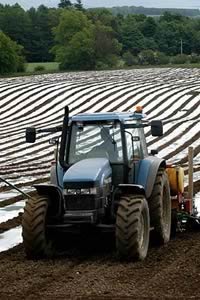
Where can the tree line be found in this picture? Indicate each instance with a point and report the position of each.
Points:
(81, 39)
(151, 11)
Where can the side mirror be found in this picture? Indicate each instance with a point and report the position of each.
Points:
(156, 128)
(30, 135)
(154, 152)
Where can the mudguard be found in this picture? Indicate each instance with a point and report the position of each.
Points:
(148, 169)
(55, 198)
(56, 175)
(131, 189)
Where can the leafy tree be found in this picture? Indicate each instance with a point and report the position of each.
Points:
(100, 14)
(105, 17)
(129, 59)
(194, 58)
(196, 42)
(83, 45)
(41, 36)
(131, 37)
(147, 57)
(79, 54)
(15, 23)
(107, 48)
(70, 23)
(139, 18)
(74, 41)
(168, 38)
(187, 37)
(148, 27)
(171, 17)
(53, 19)
(11, 59)
(161, 58)
(149, 43)
(65, 4)
(173, 29)
(78, 5)
(133, 40)
(180, 59)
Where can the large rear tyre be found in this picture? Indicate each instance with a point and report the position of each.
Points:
(36, 239)
(132, 228)
(160, 209)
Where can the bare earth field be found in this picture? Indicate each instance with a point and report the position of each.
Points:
(91, 272)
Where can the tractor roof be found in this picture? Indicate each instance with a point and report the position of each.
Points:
(108, 116)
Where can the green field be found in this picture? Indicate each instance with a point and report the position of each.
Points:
(54, 66)
(47, 66)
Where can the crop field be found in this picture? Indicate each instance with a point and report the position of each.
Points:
(172, 95)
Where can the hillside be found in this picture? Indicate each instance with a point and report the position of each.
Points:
(125, 10)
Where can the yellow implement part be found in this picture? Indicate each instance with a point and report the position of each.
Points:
(176, 180)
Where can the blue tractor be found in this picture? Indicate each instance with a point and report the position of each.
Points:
(104, 179)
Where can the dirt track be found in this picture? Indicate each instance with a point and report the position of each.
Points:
(171, 272)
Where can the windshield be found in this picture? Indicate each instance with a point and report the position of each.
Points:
(95, 140)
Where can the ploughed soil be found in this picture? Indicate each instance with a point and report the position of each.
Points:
(94, 272)
(89, 269)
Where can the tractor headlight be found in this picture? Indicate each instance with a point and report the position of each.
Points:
(70, 192)
(84, 191)
(89, 191)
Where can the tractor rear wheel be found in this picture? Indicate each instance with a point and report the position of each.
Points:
(132, 228)
(160, 209)
(36, 239)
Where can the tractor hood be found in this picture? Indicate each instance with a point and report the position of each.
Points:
(87, 173)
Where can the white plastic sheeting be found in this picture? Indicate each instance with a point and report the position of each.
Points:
(11, 211)
(39, 101)
(10, 238)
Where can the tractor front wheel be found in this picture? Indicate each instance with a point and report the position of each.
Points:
(132, 228)
(36, 239)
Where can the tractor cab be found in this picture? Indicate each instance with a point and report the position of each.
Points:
(117, 137)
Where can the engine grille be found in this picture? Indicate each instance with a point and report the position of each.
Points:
(80, 202)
